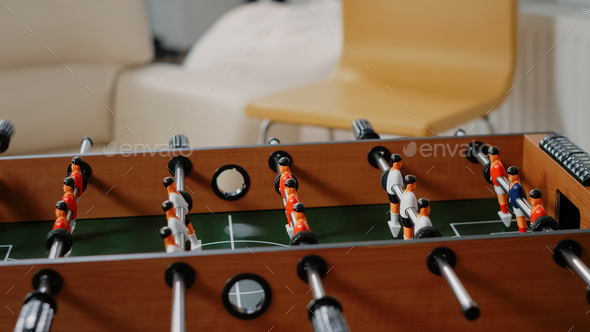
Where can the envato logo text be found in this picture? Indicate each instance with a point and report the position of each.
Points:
(142, 150)
(427, 150)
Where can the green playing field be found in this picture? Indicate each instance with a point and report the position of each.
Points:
(248, 229)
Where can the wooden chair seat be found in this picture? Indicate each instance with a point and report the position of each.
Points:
(411, 67)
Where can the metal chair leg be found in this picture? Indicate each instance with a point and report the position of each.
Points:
(262, 131)
(331, 134)
(487, 119)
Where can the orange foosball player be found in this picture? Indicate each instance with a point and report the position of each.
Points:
(76, 174)
(175, 225)
(537, 208)
(285, 174)
(292, 198)
(169, 244)
(301, 232)
(61, 211)
(300, 221)
(178, 201)
(496, 170)
(69, 197)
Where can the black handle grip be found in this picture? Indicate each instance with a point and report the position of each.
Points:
(179, 141)
(363, 130)
(6, 132)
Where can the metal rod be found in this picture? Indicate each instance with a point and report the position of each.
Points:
(44, 285)
(315, 281)
(86, 144)
(56, 249)
(278, 166)
(524, 206)
(412, 214)
(178, 313)
(383, 164)
(575, 263)
(504, 183)
(179, 176)
(482, 158)
(399, 192)
(181, 214)
(467, 304)
(180, 240)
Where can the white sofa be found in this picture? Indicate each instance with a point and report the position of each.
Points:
(83, 70)
(59, 64)
(253, 50)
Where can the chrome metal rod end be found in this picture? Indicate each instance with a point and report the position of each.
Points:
(441, 261)
(362, 130)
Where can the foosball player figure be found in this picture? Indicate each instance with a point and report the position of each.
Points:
(423, 227)
(496, 170)
(394, 177)
(290, 194)
(300, 222)
(175, 224)
(516, 191)
(61, 219)
(537, 208)
(285, 174)
(76, 174)
(284, 165)
(69, 198)
(301, 232)
(169, 244)
(178, 201)
(407, 201)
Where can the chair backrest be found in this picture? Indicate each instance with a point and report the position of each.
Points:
(76, 31)
(452, 46)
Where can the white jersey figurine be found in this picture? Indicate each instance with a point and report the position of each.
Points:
(176, 226)
(166, 234)
(181, 206)
(423, 216)
(394, 178)
(408, 201)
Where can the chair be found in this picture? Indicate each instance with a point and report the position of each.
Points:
(411, 67)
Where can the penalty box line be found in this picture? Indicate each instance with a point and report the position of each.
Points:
(473, 223)
(9, 246)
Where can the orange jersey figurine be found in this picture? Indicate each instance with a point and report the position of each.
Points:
(496, 170)
(169, 244)
(285, 174)
(537, 209)
(175, 224)
(178, 201)
(61, 211)
(69, 197)
(77, 174)
(300, 219)
(292, 198)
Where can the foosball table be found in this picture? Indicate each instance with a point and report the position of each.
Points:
(496, 240)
